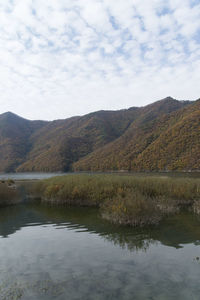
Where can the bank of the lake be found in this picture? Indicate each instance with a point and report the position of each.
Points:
(129, 200)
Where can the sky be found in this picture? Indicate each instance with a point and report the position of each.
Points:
(60, 58)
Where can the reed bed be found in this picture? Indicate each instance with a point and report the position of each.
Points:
(126, 200)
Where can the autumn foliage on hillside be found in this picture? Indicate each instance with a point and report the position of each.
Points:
(164, 135)
(155, 141)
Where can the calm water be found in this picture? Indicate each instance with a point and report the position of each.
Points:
(55, 253)
(29, 176)
(39, 175)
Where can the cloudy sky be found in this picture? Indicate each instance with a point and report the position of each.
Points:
(60, 58)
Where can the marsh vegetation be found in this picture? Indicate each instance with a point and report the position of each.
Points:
(128, 200)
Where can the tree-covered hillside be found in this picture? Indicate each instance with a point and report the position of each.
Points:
(162, 136)
(14, 140)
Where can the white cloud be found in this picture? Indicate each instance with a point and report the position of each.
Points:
(62, 58)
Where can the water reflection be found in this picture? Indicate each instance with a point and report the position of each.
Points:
(52, 253)
(174, 231)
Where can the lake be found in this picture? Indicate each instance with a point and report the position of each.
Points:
(29, 175)
(51, 253)
(42, 175)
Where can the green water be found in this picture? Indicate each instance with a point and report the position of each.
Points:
(71, 253)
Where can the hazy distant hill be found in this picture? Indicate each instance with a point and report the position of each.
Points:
(162, 136)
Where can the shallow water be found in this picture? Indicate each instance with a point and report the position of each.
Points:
(71, 253)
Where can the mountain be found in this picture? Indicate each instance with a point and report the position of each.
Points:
(14, 140)
(60, 143)
(164, 135)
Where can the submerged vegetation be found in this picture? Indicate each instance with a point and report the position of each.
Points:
(126, 200)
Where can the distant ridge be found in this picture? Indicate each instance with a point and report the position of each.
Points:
(161, 136)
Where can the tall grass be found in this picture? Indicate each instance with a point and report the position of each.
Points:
(122, 199)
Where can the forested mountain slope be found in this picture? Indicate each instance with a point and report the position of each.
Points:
(160, 136)
(60, 143)
(53, 146)
(165, 136)
(14, 140)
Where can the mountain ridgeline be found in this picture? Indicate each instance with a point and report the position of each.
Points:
(163, 136)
